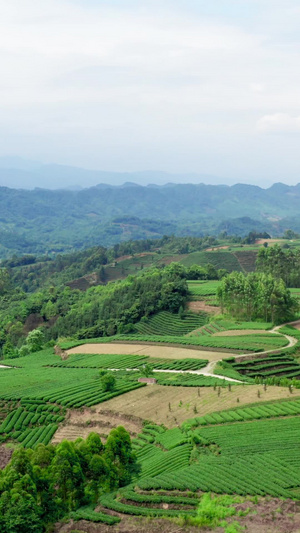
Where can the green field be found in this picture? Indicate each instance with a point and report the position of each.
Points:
(165, 323)
(220, 259)
(249, 451)
(250, 343)
(199, 289)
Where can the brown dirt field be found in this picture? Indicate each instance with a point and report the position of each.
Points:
(166, 352)
(125, 257)
(199, 306)
(237, 332)
(269, 241)
(5, 455)
(152, 403)
(296, 324)
(216, 248)
(80, 422)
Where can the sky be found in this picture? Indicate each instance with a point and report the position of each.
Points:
(181, 86)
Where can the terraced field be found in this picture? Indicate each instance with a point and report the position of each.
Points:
(257, 455)
(199, 289)
(220, 259)
(165, 323)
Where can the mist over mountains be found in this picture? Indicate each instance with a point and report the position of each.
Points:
(19, 173)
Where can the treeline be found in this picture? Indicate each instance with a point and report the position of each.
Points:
(40, 486)
(281, 263)
(256, 296)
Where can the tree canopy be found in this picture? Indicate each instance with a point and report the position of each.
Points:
(256, 296)
(40, 486)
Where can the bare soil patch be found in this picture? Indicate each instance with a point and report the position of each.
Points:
(237, 332)
(152, 350)
(155, 401)
(5, 455)
(80, 422)
(129, 524)
(216, 248)
(295, 324)
(199, 306)
(269, 241)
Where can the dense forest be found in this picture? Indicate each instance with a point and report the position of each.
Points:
(43, 221)
(40, 486)
(256, 296)
(281, 263)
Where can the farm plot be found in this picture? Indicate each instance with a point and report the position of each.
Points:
(123, 362)
(31, 423)
(165, 323)
(174, 404)
(278, 366)
(220, 259)
(153, 351)
(246, 458)
(251, 343)
(200, 289)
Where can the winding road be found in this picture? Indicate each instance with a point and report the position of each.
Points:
(178, 353)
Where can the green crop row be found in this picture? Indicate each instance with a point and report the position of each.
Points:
(109, 501)
(278, 409)
(88, 513)
(165, 323)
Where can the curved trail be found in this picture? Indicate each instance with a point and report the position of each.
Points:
(208, 370)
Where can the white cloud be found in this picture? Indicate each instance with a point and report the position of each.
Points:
(279, 123)
(90, 83)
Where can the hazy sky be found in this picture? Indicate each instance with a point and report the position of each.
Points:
(206, 86)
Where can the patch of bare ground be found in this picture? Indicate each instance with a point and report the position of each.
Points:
(5, 455)
(269, 515)
(80, 422)
(152, 350)
(237, 332)
(269, 241)
(199, 306)
(172, 405)
(216, 248)
(128, 524)
(295, 324)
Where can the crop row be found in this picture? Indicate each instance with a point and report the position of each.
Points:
(251, 343)
(278, 409)
(40, 435)
(189, 380)
(163, 462)
(89, 394)
(203, 289)
(158, 498)
(123, 362)
(224, 475)
(109, 501)
(165, 323)
(87, 513)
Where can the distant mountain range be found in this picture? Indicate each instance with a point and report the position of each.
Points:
(19, 173)
(41, 220)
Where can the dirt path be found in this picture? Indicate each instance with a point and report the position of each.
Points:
(168, 352)
(164, 352)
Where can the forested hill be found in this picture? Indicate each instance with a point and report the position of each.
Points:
(41, 220)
